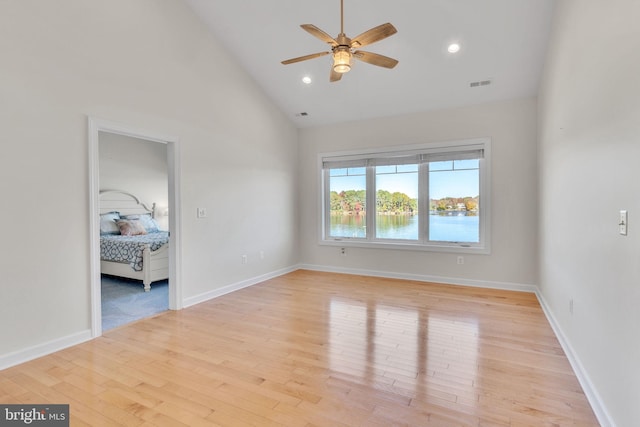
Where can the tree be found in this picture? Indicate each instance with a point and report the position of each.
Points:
(383, 201)
(335, 202)
(354, 202)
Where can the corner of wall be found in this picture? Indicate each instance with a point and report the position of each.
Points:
(587, 385)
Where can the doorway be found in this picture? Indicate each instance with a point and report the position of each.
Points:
(133, 183)
(168, 210)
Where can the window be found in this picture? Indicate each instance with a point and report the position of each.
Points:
(432, 197)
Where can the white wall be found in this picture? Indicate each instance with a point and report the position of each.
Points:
(137, 166)
(153, 65)
(589, 157)
(147, 64)
(512, 128)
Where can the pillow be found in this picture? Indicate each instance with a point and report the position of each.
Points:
(130, 227)
(148, 223)
(108, 223)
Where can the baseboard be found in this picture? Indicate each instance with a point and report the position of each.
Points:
(188, 302)
(424, 278)
(583, 378)
(27, 354)
(589, 390)
(22, 356)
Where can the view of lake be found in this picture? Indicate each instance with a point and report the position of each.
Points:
(456, 227)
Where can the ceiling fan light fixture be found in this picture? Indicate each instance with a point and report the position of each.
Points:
(343, 48)
(342, 61)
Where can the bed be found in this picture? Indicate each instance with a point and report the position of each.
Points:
(131, 244)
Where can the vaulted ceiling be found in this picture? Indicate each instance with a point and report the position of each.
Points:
(502, 41)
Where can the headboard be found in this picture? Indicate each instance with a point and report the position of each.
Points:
(123, 202)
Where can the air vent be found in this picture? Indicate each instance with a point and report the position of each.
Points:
(480, 83)
(303, 114)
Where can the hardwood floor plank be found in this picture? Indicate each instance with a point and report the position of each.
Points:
(320, 349)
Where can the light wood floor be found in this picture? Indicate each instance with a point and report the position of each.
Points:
(320, 349)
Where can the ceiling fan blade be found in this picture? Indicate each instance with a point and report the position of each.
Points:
(317, 32)
(334, 76)
(373, 35)
(304, 58)
(375, 59)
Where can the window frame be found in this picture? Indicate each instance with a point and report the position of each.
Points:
(355, 157)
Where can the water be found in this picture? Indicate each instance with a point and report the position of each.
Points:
(348, 226)
(456, 227)
(397, 227)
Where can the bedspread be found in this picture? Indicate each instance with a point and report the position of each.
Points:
(129, 249)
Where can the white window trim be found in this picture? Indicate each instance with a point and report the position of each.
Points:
(483, 247)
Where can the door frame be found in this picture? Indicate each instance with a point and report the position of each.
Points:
(95, 126)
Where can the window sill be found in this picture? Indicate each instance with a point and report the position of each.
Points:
(445, 248)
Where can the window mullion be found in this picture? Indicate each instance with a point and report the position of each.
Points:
(451, 169)
(371, 203)
(326, 217)
(424, 200)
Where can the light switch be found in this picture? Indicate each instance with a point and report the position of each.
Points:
(622, 223)
(202, 212)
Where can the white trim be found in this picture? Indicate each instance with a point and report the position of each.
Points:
(440, 146)
(94, 228)
(30, 353)
(482, 247)
(398, 245)
(236, 286)
(175, 225)
(424, 278)
(25, 355)
(96, 126)
(600, 410)
(598, 406)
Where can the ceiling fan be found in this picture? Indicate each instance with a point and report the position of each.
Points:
(343, 48)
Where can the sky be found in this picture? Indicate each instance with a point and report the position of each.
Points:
(442, 184)
(454, 184)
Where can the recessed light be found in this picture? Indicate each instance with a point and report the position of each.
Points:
(306, 80)
(453, 48)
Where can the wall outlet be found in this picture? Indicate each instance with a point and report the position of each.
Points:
(245, 259)
(343, 251)
(261, 254)
(460, 260)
